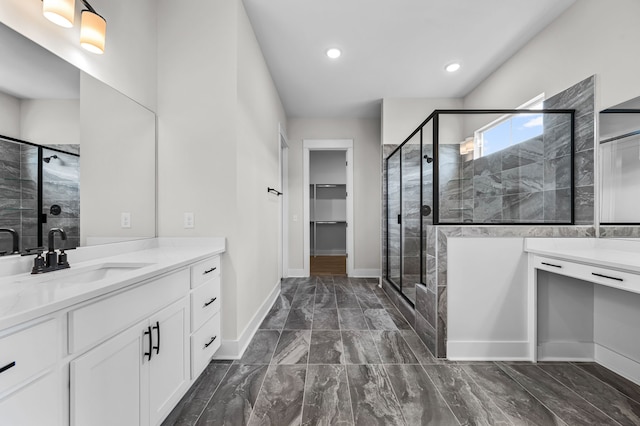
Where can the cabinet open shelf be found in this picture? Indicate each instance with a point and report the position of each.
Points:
(328, 219)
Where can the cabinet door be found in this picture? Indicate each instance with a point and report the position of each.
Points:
(106, 381)
(38, 403)
(169, 366)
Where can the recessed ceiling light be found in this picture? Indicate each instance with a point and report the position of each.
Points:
(452, 67)
(334, 53)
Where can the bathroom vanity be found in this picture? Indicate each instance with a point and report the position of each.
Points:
(584, 301)
(116, 339)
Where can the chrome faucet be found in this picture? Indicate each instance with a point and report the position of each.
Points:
(14, 234)
(53, 261)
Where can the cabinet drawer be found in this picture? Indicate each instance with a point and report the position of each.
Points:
(205, 301)
(205, 270)
(94, 323)
(27, 352)
(202, 345)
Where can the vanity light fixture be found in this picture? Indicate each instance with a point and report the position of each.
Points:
(93, 30)
(467, 146)
(452, 67)
(93, 27)
(334, 53)
(60, 12)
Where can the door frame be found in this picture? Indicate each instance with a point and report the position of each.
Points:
(283, 167)
(309, 145)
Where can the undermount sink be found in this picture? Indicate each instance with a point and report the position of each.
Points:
(99, 272)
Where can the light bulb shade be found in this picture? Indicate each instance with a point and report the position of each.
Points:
(60, 12)
(93, 32)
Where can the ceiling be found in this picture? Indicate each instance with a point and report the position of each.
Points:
(391, 48)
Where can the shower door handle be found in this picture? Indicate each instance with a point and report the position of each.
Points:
(399, 219)
(425, 210)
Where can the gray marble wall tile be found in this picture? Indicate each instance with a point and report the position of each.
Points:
(392, 347)
(527, 179)
(619, 231)
(520, 407)
(420, 401)
(584, 201)
(352, 319)
(372, 398)
(281, 397)
(379, 319)
(326, 347)
(585, 132)
(564, 402)
(235, 398)
(426, 332)
(622, 409)
(326, 397)
(293, 347)
(488, 209)
(557, 173)
(359, 347)
(487, 185)
(557, 205)
(467, 400)
(261, 348)
(584, 168)
(441, 348)
(325, 319)
(525, 207)
(426, 304)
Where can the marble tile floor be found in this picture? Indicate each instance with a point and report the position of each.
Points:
(334, 351)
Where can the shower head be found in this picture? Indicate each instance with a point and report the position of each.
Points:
(429, 159)
(47, 159)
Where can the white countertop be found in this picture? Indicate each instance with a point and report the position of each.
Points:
(620, 254)
(24, 297)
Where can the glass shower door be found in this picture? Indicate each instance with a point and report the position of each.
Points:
(394, 198)
(411, 229)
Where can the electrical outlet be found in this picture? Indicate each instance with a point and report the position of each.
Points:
(188, 220)
(125, 220)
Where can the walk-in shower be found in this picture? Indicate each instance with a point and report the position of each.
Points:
(473, 167)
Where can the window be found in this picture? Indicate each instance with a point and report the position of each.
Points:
(510, 129)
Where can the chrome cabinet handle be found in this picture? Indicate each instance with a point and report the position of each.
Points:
(210, 302)
(206, 345)
(209, 271)
(8, 366)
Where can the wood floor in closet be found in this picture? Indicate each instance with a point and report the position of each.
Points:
(328, 265)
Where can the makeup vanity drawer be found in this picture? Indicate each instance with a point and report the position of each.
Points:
(205, 270)
(205, 301)
(204, 343)
(27, 352)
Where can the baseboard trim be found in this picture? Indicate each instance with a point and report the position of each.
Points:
(296, 273)
(365, 273)
(566, 351)
(488, 351)
(233, 349)
(624, 366)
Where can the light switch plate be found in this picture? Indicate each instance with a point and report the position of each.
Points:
(125, 220)
(188, 220)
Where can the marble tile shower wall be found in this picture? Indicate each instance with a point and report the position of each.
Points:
(429, 316)
(18, 193)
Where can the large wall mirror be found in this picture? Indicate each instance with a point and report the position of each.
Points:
(74, 153)
(620, 161)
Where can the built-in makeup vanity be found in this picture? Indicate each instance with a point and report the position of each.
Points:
(584, 301)
(116, 339)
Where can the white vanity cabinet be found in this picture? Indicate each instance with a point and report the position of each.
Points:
(27, 364)
(137, 376)
(205, 313)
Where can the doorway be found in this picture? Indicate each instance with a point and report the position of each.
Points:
(283, 243)
(328, 207)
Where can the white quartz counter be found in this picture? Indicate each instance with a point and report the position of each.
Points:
(24, 297)
(623, 255)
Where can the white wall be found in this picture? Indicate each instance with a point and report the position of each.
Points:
(50, 121)
(401, 116)
(487, 298)
(218, 115)
(366, 186)
(117, 163)
(591, 37)
(9, 116)
(129, 61)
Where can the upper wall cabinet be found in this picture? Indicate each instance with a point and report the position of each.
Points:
(620, 160)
